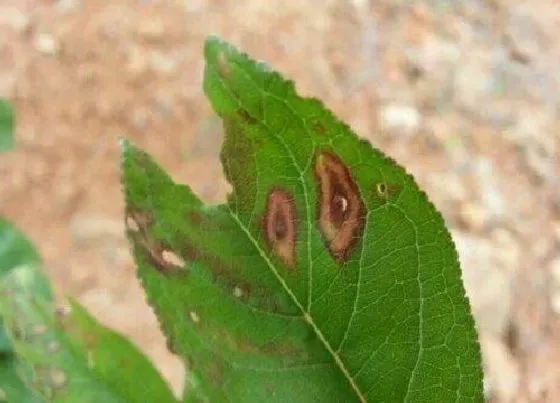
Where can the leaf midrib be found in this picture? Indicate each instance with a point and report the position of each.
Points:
(269, 263)
(305, 314)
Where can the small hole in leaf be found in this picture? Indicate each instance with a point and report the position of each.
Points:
(194, 317)
(58, 378)
(172, 258)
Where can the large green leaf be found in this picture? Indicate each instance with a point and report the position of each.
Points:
(71, 358)
(6, 126)
(328, 276)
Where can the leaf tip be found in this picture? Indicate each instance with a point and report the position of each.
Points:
(130, 155)
(125, 146)
(217, 53)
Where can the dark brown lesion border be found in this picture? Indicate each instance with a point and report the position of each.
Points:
(340, 209)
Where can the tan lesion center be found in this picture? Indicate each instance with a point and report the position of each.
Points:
(279, 226)
(340, 208)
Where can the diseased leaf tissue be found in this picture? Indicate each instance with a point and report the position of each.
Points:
(327, 276)
(340, 209)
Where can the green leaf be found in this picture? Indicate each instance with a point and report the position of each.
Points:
(12, 369)
(6, 126)
(71, 358)
(113, 358)
(12, 387)
(328, 275)
(16, 251)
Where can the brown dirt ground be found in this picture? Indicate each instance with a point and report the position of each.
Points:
(82, 74)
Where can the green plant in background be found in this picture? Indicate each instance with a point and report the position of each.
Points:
(327, 275)
(15, 252)
(45, 356)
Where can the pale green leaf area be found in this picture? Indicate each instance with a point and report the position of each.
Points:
(70, 358)
(327, 277)
(6, 126)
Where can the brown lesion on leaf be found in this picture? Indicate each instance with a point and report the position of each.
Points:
(194, 218)
(213, 371)
(199, 220)
(246, 117)
(161, 257)
(340, 208)
(279, 226)
(171, 344)
(138, 221)
(319, 128)
(222, 65)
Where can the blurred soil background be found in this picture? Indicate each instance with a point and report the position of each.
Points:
(465, 94)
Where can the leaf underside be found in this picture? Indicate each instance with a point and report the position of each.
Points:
(327, 276)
